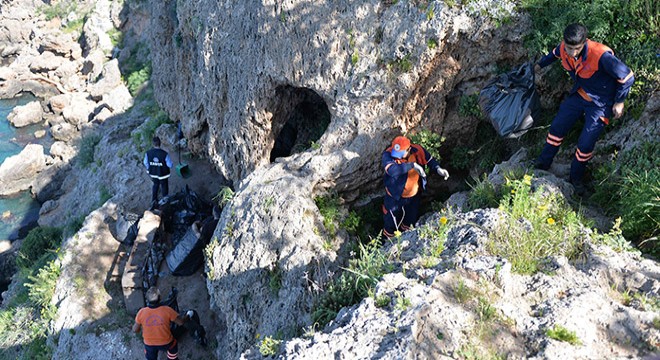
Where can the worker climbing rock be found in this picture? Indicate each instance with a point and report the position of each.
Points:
(602, 83)
(158, 164)
(403, 164)
(154, 321)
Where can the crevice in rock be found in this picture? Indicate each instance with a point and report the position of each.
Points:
(300, 117)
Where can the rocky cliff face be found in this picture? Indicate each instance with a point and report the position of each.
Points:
(235, 74)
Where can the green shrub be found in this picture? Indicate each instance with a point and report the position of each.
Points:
(429, 140)
(560, 333)
(143, 136)
(329, 208)
(42, 288)
(87, 148)
(461, 157)
(136, 79)
(269, 346)
(37, 243)
(400, 65)
(468, 106)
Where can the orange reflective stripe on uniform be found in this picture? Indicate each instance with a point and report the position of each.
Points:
(584, 95)
(553, 140)
(580, 156)
(387, 235)
(623, 81)
(605, 120)
(405, 227)
(388, 166)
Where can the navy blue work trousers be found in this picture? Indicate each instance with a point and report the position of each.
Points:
(571, 109)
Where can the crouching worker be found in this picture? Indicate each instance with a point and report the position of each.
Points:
(404, 164)
(154, 321)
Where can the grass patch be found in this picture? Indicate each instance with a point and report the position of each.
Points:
(483, 194)
(537, 225)
(629, 187)
(354, 284)
(560, 333)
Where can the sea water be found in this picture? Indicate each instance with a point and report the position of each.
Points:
(18, 211)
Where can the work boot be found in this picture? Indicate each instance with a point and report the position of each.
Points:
(579, 187)
(539, 165)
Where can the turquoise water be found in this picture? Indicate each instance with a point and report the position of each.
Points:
(20, 210)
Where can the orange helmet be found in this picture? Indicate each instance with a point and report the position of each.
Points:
(400, 145)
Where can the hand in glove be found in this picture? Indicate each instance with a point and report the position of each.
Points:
(444, 173)
(419, 169)
(190, 313)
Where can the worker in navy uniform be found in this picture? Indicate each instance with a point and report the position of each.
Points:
(602, 83)
(403, 164)
(158, 164)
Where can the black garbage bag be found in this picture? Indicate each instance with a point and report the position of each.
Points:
(510, 101)
(127, 228)
(187, 256)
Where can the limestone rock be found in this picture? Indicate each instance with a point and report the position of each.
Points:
(95, 30)
(19, 171)
(59, 102)
(30, 113)
(80, 110)
(45, 62)
(110, 79)
(61, 44)
(62, 150)
(64, 132)
(118, 99)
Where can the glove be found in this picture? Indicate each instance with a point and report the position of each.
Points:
(190, 313)
(419, 169)
(444, 173)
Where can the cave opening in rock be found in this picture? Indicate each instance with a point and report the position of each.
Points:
(300, 118)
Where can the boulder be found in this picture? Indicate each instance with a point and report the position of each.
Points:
(93, 64)
(64, 132)
(61, 44)
(110, 79)
(63, 151)
(45, 62)
(57, 103)
(48, 184)
(30, 113)
(18, 172)
(80, 110)
(13, 31)
(118, 99)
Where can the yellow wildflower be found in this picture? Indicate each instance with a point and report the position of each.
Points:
(527, 180)
(543, 207)
(513, 191)
(443, 220)
(551, 221)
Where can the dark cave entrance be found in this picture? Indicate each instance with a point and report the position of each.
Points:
(300, 118)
